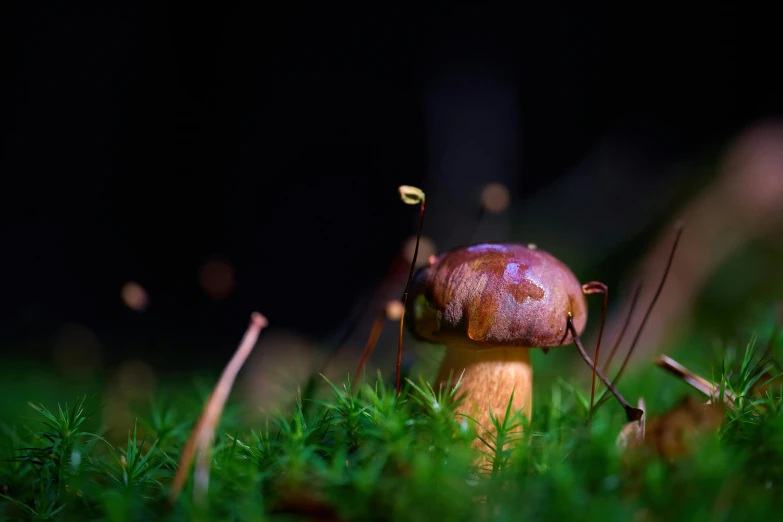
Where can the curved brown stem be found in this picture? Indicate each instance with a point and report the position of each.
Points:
(405, 295)
(199, 444)
(596, 287)
(372, 340)
(679, 227)
(632, 413)
(619, 340)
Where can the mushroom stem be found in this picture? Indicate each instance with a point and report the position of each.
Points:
(489, 376)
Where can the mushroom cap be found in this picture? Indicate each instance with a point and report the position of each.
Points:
(498, 294)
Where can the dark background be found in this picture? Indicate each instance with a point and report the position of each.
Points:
(138, 143)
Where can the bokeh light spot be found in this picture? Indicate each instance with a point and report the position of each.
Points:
(394, 310)
(495, 198)
(135, 379)
(273, 374)
(217, 279)
(133, 383)
(426, 249)
(134, 296)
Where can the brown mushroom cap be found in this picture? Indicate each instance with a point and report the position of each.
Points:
(499, 294)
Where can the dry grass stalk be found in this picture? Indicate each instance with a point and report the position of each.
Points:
(705, 386)
(200, 441)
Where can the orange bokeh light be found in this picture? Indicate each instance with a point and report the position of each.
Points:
(134, 296)
(217, 278)
(495, 198)
(426, 249)
(394, 310)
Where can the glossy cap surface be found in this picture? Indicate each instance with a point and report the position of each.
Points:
(499, 294)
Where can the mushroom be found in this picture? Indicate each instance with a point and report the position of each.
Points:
(490, 304)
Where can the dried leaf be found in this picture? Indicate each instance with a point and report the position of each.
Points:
(767, 381)
(309, 504)
(674, 433)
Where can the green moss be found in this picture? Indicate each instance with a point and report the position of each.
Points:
(373, 456)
